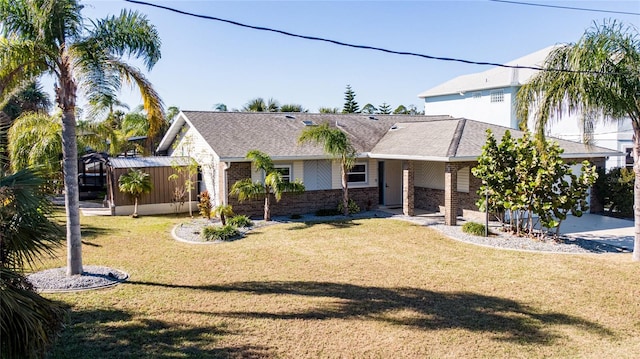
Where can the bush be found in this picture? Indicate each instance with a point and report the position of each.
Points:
(240, 221)
(327, 212)
(614, 190)
(218, 233)
(205, 205)
(474, 228)
(353, 207)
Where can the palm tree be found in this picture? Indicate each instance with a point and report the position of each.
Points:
(336, 144)
(135, 183)
(328, 110)
(598, 74)
(292, 107)
(223, 211)
(31, 98)
(29, 322)
(273, 184)
(35, 140)
(52, 37)
(220, 107)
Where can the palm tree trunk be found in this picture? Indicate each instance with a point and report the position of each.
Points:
(267, 207)
(135, 208)
(636, 192)
(345, 191)
(66, 100)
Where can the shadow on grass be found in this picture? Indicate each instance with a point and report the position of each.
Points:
(91, 231)
(504, 319)
(118, 334)
(336, 224)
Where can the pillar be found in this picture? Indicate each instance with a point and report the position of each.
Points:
(408, 175)
(450, 194)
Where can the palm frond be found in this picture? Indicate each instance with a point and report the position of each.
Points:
(246, 189)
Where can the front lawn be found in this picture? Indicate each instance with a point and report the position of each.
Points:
(372, 288)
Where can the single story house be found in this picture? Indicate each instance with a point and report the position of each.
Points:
(167, 196)
(403, 161)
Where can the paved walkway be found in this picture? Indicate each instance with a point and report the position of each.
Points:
(609, 230)
(612, 231)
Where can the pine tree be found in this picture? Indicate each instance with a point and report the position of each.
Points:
(384, 109)
(350, 105)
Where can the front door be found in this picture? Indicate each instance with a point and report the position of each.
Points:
(392, 183)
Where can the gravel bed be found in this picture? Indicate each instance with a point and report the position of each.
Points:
(190, 232)
(93, 277)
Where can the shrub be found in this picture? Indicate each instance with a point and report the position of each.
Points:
(205, 205)
(474, 228)
(353, 207)
(219, 233)
(327, 212)
(240, 221)
(614, 190)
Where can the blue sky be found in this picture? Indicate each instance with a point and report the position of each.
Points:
(206, 62)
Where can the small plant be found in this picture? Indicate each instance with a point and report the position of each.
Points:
(474, 228)
(205, 205)
(353, 207)
(240, 221)
(223, 211)
(325, 212)
(217, 233)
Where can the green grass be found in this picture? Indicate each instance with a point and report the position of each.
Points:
(373, 288)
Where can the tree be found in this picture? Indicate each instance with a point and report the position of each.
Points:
(135, 183)
(220, 107)
(350, 104)
(273, 184)
(259, 105)
(35, 140)
(401, 110)
(31, 98)
(223, 211)
(328, 110)
(336, 144)
(369, 109)
(292, 107)
(384, 109)
(52, 37)
(29, 323)
(598, 74)
(530, 180)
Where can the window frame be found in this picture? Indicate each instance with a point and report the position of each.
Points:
(285, 178)
(496, 96)
(365, 172)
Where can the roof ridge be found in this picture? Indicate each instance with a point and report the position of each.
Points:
(455, 140)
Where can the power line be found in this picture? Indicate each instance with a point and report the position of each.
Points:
(566, 7)
(365, 47)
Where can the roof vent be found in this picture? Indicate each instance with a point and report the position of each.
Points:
(308, 123)
(373, 118)
(394, 127)
(290, 116)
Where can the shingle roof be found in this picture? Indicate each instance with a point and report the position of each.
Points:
(497, 77)
(437, 138)
(459, 140)
(146, 162)
(232, 134)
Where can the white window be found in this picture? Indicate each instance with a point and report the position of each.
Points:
(477, 95)
(285, 171)
(497, 96)
(358, 173)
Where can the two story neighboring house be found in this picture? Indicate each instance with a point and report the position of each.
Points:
(490, 96)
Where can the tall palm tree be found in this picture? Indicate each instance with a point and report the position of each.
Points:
(273, 184)
(30, 98)
(336, 144)
(52, 37)
(598, 74)
(28, 322)
(135, 183)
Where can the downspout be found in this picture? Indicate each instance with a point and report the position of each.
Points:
(225, 194)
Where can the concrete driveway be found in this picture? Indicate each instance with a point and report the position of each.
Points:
(609, 230)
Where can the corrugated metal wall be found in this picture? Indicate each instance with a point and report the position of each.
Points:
(163, 188)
